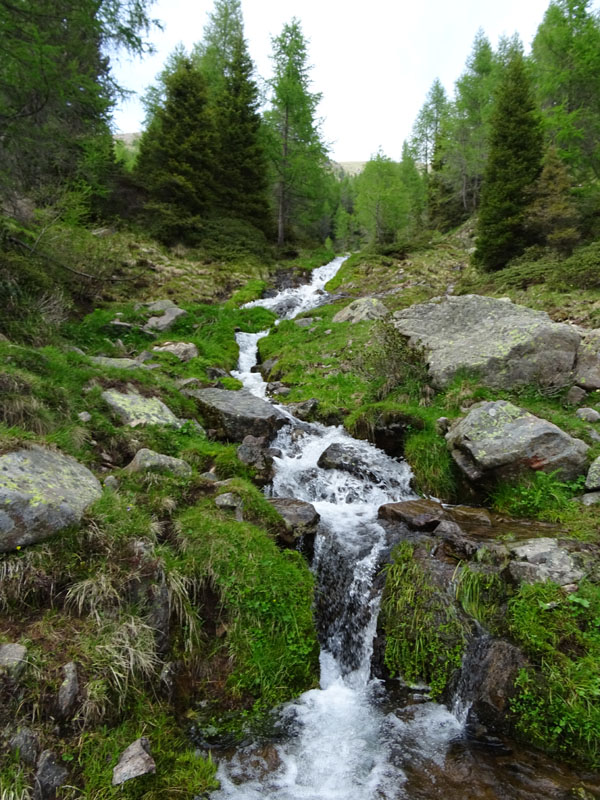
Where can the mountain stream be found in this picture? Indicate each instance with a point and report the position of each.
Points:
(348, 740)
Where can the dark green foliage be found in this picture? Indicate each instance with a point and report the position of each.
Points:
(513, 166)
(175, 162)
(552, 217)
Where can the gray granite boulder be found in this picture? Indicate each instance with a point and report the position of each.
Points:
(170, 313)
(365, 308)
(135, 761)
(498, 439)
(506, 345)
(544, 559)
(587, 369)
(235, 415)
(184, 351)
(148, 461)
(301, 518)
(41, 492)
(592, 482)
(133, 409)
(346, 458)
(13, 659)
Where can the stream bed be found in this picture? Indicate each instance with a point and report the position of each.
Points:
(348, 740)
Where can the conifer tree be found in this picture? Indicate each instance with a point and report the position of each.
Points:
(241, 166)
(513, 166)
(296, 151)
(176, 159)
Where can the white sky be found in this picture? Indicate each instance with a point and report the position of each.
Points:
(372, 61)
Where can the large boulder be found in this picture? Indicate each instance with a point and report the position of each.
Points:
(301, 518)
(498, 439)
(133, 409)
(255, 452)
(365, 308)
(506, 345)
(346, 458)
(587, 369)
(235, 415)
(41, 492)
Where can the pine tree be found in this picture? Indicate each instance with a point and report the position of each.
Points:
(296, 151)
(513, 166)
(241, 166)
(176, 159)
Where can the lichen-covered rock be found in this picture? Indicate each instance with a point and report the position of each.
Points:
(41, 492)
(184, 351)
(134, 410)
(544, 559)
(588, 414)
(301, 518)
(231, 502)
(587, 369)
(13, 659)
(235, 415)
(135, 761)
(592, 482)
(506, 345)
(365, 308)
(68, 691)
(498, 439)
(148, 461)
(116, 363)
(170, 314)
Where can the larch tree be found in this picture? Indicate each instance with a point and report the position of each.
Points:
(296, 150)
(513, 166)
(382, 202)
(427, 127)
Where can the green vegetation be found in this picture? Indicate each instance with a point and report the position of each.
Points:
(424, 637)
(557, 704)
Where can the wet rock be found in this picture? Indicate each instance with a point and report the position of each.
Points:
(148, 461)
(135, 761)
(487, 683)
(365, 308)
(231, 502)
(588, 414)
(497, 439)
(301, 518)
(424, 515)
(587, 370)
(543, 560)
(305, 411)
(133, 409)
(506, 345)
(345, 458)
(278, 388)
(184, 351)
(235, 415)
(68, 691)
(49, 777)
(268, 369)
(41, 492)
(387, 429)
(170, 314)
(575, 396)
(592, 482)
(254, 452)
(13, 660)
(25, 745)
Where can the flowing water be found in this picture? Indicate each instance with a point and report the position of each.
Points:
(346, 740)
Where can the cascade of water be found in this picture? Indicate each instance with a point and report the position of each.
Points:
(341, 747)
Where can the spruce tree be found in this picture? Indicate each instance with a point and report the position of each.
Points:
(241, 166)
(513, 166)
(176, 159)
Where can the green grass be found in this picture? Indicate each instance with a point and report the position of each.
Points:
(424, 637)
(557, 704)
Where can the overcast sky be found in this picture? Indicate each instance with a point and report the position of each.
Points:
(373, 61)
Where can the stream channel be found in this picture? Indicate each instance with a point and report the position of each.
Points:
(348, 740)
